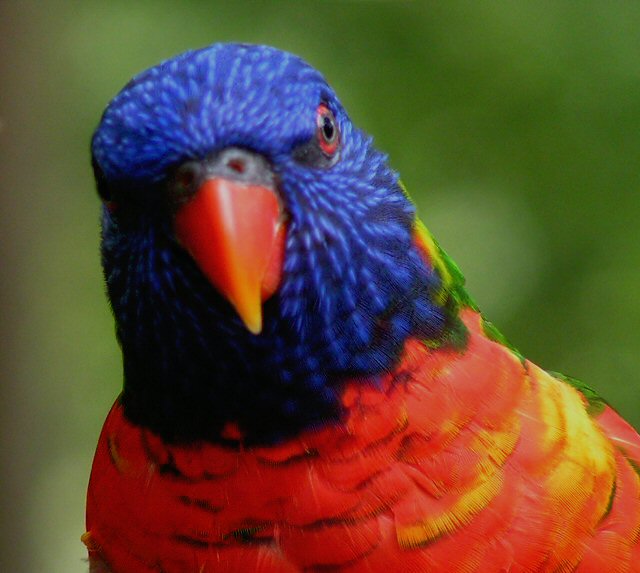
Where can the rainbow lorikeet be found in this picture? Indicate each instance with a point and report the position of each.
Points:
(308, 387)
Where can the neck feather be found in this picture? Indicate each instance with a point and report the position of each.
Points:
(192, 370)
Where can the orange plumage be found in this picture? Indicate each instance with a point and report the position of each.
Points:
(308, 387)
(464, 462)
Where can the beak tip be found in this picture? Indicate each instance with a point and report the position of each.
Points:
(254, 328)
(251, 317)
(232, 231)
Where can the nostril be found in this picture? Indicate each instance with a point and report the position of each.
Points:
(186, 178)
(236, 164)
(239, 164)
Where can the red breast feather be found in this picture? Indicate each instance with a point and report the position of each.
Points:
(472, 462)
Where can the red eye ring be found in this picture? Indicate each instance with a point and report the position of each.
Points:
(328, 133)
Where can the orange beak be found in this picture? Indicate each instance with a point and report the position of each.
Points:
(235, 233)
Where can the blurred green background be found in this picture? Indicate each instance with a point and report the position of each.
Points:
(516, 125)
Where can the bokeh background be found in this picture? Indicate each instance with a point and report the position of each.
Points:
(516, 126)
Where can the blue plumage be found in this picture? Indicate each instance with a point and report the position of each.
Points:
(354, 286)
(208, 99)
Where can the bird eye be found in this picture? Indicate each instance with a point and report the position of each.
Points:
(101, 181)
(328, 134)
(102, 185)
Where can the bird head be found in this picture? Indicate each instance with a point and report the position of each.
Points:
(258, 250)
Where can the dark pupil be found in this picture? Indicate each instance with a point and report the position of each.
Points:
(328, 130)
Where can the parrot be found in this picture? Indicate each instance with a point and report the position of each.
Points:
(307, 384)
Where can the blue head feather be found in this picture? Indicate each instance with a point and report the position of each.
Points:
(354, 286)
